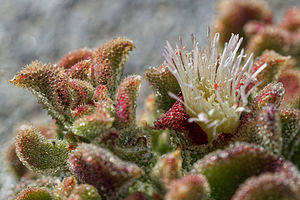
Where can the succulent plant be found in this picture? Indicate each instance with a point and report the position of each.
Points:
(217, 126)
(254, 21)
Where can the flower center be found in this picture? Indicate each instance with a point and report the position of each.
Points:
(211, 83)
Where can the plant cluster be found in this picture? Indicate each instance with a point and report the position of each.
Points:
(222, 122)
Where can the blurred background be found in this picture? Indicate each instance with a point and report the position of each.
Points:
(46, 30)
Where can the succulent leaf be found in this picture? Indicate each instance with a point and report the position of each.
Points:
(275, 64)
(136, 196)
(101, 94)
(168, 168)
(82, 110)
(248, 131)
(102, 101)
(149, 114)
(139, 152)
(39, 154)
(290, 79)
(72, 58)
(35, 194)
(290, 119)
(253, 27)
(80, 91)
(102, 169)
(93, 125)
(49, 84)
(189, 187)
(291, 21)
(268, 187)
(272, 93)
(226, 169)
(162, 81)
(234, 14)
(161, 141)
(66, 187)
(84, 192)
(269, 129)
(108, 63)
(81, 70)
(126, 101)
(269, 38)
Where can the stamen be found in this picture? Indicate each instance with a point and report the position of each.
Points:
(200, 73)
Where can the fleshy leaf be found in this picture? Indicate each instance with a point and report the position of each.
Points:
(290, 119)
(272, 93)
(84, 192)
(81, 70)
(130, 145)
(189, 187)
(80, 91)
(66, 187)
(49, 84)
(269, 38)
(101, 94)
(136, 196)
(92, 125)
(291, 21)
(269, 129)
(39, 154)
(275, 64)
(82, 110)
(234, 14)
(268, 187)
(36, 181)
(102, 169)
(291, 82)
(35, 194)
(108, 63)
(126, 101)
(149, 114)
(102, 100)
(226, 169)
(162, 81)
(253, 27)
(72, 58)
(96, 121)
(168, 167)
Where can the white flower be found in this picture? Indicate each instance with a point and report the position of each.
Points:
(209, 83)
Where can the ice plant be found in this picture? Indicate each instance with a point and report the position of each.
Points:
(253, 20)
(210, 82)
(218, 125)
